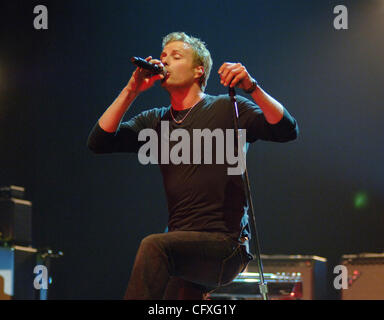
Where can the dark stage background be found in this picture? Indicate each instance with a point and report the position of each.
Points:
(319, 195)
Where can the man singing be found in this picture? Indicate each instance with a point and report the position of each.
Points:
(206, 245)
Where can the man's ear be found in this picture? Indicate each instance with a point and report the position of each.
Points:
(199, 71)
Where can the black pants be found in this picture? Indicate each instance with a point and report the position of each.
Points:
(184, 265)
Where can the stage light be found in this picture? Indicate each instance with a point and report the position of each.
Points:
(361, 200)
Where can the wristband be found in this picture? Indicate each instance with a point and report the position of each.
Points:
(253, 87)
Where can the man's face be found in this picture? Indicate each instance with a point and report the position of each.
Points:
(178, 59)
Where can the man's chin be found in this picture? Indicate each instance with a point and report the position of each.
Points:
(166, 84)
(169, 86)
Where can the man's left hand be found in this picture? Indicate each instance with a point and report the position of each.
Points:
(232, 74)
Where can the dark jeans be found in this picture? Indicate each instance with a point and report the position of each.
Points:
(184, 265)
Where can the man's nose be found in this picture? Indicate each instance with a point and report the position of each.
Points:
(164, 61)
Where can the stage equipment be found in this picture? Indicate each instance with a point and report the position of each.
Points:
(16, 269)
(365, 276)
(17, 265)
(255, 246)
(281, 286)
(8, 192)
(312, 269)
(15, 216)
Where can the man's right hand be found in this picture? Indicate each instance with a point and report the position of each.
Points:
(142, 80)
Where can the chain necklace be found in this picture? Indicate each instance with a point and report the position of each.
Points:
(180, 121)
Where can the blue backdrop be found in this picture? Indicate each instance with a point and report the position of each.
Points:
(321, 194)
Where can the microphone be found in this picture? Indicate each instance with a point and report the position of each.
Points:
(153, 68)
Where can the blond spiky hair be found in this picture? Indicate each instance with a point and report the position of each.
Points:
(202, 56)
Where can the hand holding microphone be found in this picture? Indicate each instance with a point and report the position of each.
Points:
(153, 68)
(147, 72)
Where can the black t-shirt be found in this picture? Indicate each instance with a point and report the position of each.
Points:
(201, 196)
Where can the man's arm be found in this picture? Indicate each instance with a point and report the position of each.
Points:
(103, 137)
(272, 109)
(140, 81)
(111, 118)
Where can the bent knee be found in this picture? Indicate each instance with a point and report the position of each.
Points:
(153, 240)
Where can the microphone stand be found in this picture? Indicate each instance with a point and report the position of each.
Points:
(256, 247)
